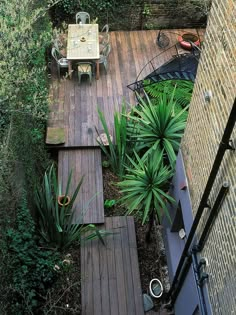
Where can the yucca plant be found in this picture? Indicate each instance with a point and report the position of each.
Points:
(145, 188)
(116, 151)
(159, 128)
(56, 223)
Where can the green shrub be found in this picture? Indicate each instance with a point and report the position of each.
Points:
(109, 203)
(182, 91)
(31, 264)
(116, 152)
(25, 36)
(57, 223)
(158, 127)
(145, 186)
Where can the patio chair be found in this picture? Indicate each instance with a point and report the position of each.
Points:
(105, 29)
(104, 35)
(103, 42)
(60, 60)
(82, 17)
(57, 43)
(104, 56)
(85, 68)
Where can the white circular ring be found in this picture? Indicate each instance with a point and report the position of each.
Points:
(151, 291)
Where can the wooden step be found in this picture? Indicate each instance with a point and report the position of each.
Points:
(110, 279)
(87, 163)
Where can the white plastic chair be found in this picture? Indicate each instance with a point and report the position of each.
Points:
(60, 60)
(104, 56)
(105, 29)
(104, 36)
(82, 17)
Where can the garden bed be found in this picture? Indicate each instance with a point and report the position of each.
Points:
(152, 260)
(64, 297)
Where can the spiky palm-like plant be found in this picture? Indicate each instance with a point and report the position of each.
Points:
(56, 223)
(117, 150)
(145, 187)
(159, 128)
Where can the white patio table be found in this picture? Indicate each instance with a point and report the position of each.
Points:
(83, 44)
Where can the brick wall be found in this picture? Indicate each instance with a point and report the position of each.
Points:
(176, 13)
(156, 14)
(205, 127)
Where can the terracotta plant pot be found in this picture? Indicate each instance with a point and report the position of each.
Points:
(63, 200)
(186, 39)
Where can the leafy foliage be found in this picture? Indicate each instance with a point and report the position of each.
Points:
(102, 5)
(32, 266)
(103, 11)
(158, 127)
(109, 203)
(25, 35)
(145, 186)
(68, 6)
(57, 223)
(182, 91)
(116, 152)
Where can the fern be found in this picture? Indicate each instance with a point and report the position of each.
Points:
(183, 91)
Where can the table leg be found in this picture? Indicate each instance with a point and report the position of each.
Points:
(70, 69)
(97, 69)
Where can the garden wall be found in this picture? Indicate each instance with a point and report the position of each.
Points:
(175, 13)
(137, 14)
(205, 127)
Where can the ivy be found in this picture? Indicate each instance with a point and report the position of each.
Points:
(32, 267)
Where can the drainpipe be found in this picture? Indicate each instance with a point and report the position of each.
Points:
(213, 214)
(201, 276)
(192, 258)
(223, 146)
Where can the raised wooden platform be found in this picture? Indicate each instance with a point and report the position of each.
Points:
(74, 107)
(85, 162)
(110, 280)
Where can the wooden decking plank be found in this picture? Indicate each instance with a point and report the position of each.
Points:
(104, 278)
(121, 288)
(115, 61)
(115, 279)
(135, 267)
(85, 162)
(111, 268)
(127, 266)
(132, 72)
(96, 282)
(99, 186)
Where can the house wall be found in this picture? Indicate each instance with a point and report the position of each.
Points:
(205, 127)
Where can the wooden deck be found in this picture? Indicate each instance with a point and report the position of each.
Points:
(87, 163)
(74, 107)
(110, 280)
